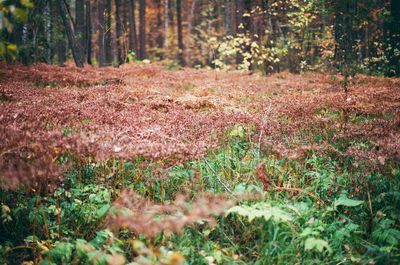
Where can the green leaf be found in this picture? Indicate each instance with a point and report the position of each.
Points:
(21, 14)
(319, 245)
(62, 252)
(344, 201)
(261, 210)
(102, 211)
(26, 3)
(238, 131)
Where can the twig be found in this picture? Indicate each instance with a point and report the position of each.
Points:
(298, 190)
(216, 175)
(371, 218)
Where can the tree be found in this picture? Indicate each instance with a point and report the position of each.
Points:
(101, 26)
(80, 32)
(239, 25)
(228, 10)
(181, 60)
(73, 44)
(166, 23)
(118, 22)
(344, 37)
(160, 35)
(47, 14)
(394, 38)
(142, 30)
(132, 27)
(108, 32)
(88, 32)
(189, 32)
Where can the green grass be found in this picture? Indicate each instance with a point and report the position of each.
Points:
(330, 211)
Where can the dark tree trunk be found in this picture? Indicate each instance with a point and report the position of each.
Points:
(180, 34)
(344, 35)
(80, 29)
(247, 22)
(394, 31)
(166, 23)
(100, 40)
(189, 32)
(118, 22)
(47, 12)
(75, 47)
(159, 39)
(125, 29)
(88, 33)
(239, 16)
(345, 55)
(239, 25)
(61, 52)
(228, 10)
(142, 30)
(107, 35)
(132, 27)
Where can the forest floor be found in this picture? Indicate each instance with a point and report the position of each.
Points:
(307, 173)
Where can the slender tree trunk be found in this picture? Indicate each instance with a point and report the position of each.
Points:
(239, 16)
(80, 29)
(25, 54)
(180, 34)
(125, 29)
(107, 33)
(159, 38)
(189, 32)
(344, 37)
(61, 52)
(100, 41)
(166, 23)
(394, 32)
(118, 21)
(88, 33)
(75, 47)
(132, 27)
(228, 25)
(47, 15)
(239, 25)
(142, 29)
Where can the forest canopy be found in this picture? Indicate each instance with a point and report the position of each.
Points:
(263, 35)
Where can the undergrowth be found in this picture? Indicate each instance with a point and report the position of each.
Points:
(315, 210)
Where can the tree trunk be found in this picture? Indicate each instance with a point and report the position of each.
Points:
(107, 33)
(239, 16)
(189, 32)
(142, 29)
(80, 25)
(180, 34)
(118, 21)
(132, 27)
(48, 31)
(394, 37)
(100, 41)
(75, 47)
(344, 37)
(228, 25)
(88, 33)
(166, 23)
(239, 25)
(159, 38)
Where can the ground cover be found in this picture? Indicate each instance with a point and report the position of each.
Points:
(147, 165)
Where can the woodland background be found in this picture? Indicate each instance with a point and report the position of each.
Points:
(265, 35)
